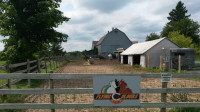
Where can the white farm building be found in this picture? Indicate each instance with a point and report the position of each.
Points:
(147, 54)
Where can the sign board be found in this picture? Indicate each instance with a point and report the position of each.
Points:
(166, 77)
(116, 90)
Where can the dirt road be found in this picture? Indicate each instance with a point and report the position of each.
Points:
(102, 66)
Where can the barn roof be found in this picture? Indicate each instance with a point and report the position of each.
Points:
(141, 48)
(102, 38)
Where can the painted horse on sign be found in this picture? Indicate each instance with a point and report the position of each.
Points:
(109, 88)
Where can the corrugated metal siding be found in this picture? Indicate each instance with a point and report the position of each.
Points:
(155, 52)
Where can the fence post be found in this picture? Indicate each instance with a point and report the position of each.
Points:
(53, 63)
(148, 62)
(51, 85)
(56, 61)
(38, 65)
(50, 63)
(8, 71)
(179, 63)
(164, 85)
(45, 62)
(160, 62)
(28, 71)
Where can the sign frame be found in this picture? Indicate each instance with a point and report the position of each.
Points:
(127, 95)
(166, 77)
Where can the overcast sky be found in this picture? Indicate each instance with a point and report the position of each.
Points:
(91, 19)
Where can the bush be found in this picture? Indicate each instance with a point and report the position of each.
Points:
(12, 99)
(173, 71)
(137, 66)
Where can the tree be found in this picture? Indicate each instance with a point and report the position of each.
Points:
(56, 49)
(95, 50)
(180, 40)
(30, 25)
(187, 27)
(152, 36)
(178, 13)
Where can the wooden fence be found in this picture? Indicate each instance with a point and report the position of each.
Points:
(51, 91)
(33, 66)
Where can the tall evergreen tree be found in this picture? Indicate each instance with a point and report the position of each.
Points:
(30, 25)
(178, 13)
(187, 27)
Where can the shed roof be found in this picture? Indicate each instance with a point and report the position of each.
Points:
(141, 48)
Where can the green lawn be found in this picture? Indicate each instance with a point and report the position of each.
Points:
(23, 84)
(2, 63)
(34, 83)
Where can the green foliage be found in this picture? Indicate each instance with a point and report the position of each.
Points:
(180, 40)
(185, 110)
(150, 70)
(12, 99)
(186, 27)
(182, 97)
(137, 66)
(178, 13)
(197, 52)
(75, 53)
(2, 63)
(95, 50)
(2, 55)
(173, 71)
(153, 70)
(30, 25)
(152, 36)
(56, 49)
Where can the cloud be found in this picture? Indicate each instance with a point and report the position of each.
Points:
(75, 45)
(92, 19)
(1, 44)
(104, 6)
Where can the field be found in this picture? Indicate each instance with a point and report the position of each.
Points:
(101, 67)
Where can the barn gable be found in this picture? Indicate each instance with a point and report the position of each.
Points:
(112, 41)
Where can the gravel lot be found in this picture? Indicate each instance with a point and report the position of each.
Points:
(101, 67)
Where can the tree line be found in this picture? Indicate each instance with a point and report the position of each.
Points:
(180, 29)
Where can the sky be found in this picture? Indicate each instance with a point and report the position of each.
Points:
(92, 19)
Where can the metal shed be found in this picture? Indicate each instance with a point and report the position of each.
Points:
(147, 54)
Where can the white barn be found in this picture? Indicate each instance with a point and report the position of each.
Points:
(148, 52)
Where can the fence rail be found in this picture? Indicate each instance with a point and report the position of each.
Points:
(33, 66)
(51, 91)
(89, 105)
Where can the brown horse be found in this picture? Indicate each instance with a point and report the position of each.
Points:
(123, 89)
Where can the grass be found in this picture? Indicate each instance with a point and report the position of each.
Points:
(156, 70)
(197, 58)
(2, 63)
(197, 66)
(23, 84)
(36, 82)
